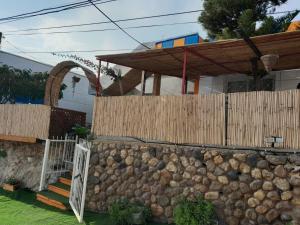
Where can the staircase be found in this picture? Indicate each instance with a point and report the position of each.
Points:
(57, 194)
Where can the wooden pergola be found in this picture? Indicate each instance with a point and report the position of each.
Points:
(213, 58)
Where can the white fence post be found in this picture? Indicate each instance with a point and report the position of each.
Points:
(44, 166)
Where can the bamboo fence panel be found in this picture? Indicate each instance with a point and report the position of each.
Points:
(178, 119)
(25, 120)
(253, 116)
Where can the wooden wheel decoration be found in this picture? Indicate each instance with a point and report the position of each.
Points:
(56, 78)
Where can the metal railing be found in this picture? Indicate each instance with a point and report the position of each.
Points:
(58, 160)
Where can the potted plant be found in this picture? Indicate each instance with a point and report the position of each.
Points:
(11, 184)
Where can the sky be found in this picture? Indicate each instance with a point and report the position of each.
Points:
(98, 40)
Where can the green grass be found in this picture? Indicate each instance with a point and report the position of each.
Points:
(21, 208)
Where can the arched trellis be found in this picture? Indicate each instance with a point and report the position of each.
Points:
(56, 77)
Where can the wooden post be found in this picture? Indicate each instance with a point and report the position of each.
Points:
(183, 87)
(256, 76)
(196, 86)
(143, 82)
(156, 85)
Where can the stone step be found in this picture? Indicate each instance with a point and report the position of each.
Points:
(60, 188)
(53, 199)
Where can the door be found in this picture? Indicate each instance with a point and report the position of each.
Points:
(79, 179)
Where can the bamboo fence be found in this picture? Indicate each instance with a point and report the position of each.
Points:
(25, 120)
(178, 119)
(253, 116)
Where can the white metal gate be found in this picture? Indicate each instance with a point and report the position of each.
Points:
(58, 159)
(79, 179)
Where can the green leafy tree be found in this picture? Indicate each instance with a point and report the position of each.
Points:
(222, 17)
(16, 83)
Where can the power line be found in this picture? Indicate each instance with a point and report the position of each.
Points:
(80, 51)
(124, 31)
(21, 51)
(52, 10)
(102, 30)
(105, 22)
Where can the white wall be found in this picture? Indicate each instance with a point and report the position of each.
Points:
(80, 100)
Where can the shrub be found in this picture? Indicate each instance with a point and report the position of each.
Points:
(122, 212)
(80, 131)
(198, 212)
(3, 154)
(12, 181)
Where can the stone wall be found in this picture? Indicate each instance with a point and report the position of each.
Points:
(22, 161)
(246, 187)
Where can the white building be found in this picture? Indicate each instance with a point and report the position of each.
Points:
(77, 99)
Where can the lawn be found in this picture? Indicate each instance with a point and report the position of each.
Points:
(22, 208)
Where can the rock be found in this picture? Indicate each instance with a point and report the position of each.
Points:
(215, 186)
(191, 169)
(223, 180)
(285, 217)
(295, 159)
(233, 175)
(280, 171)
(273, 195)
(296, 191)
(283, 206)
(186, 175)
(245, 178)
(94, 180)
(218, 159)
(253, 202)
(174, 157)
(153, 162)
(110, 161)
(281, 184)
(234, 186)
(272, 215)
(286, 195)
(296, 201)
(240, 204)
(267, 186)
(211, 176)
(262, 164)
(165, 177)
(171, 167)
(267, 175)
(252, 160)
(235, 195)
(117, 158)
(197, 178)
(244, 188)
(234, 164)
(184, 161)
(240, 156)
(161, 165)
(94, 159)
(198, 155)
(295, 180)
(163, 200)
(213, 195)
(244, 168)
(152, 151)
(202, 171)
(262, 219)
(146, 157)
(207, 156)
(218, 171)
(256, 184)
(268, 203)
(129, 160)
(210, 165)
(261, 209)
(157, 210)
(251, 214)
(97, 189)
(232, 220)
(256, 173)
(123, 154)
(174, 183)
(276, 160)
(260, 195)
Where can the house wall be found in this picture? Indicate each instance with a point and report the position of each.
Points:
(246, 187)
(283, 80)
(78, 99)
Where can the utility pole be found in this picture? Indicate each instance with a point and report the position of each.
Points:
(1, 36)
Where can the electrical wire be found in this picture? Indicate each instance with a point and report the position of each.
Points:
(124, 31)
(21, 51)
(106, 22)
(102, 30)
(52, 10)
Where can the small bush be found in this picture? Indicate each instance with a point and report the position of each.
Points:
(80, 131)
(3, 153)
(198, 212)
(122, 212)
(12, 181)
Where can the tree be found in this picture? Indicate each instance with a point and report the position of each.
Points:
(16, 83)
(221, 18)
